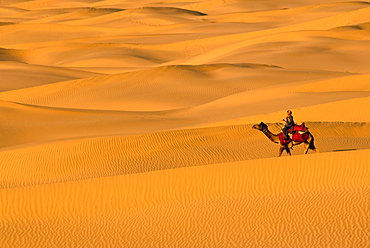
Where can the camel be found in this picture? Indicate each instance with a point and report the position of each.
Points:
(308, 144)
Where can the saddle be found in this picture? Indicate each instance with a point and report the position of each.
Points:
(300, 128)
(298, 133)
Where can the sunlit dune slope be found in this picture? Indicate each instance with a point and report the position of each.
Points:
(328, 104)
(151, 16)
(170, 87)
(26, 125)
(316, 199)
(356, 17)
(18, 75)
(340, 45)
(104, 54)
(338, 111)
(99, 157)
(288, 16)
(50, 4)
(7, 11)
(337, 99)
(335, 50)
(33, 33)
(70, 14)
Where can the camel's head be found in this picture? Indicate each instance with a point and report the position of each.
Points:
(261, 126)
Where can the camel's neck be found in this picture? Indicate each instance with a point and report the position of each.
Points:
(271, 136)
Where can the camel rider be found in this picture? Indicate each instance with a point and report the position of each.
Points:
(289, 123)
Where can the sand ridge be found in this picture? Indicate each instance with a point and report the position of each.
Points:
(129, 123)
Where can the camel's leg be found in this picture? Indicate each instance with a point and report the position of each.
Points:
(312, 145)
(281, 149)
(288, 151)
(306, 147)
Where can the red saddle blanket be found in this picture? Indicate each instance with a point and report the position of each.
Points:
(282, 140)
(301, 127)
(295, 137)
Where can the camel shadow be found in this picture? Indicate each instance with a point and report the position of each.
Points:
(345, 150)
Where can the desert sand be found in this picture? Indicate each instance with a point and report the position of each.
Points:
(129, 123)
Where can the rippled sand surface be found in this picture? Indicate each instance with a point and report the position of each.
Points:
(129, 123)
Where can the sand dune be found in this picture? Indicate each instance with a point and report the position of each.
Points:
(326, 110)
(169, 87)
(338, 111)
(18, 75)
(150, 16)
(45, 124)
(72, 14)
(288, 16)
(355, 17)
(33, 33)
(51, 4)
(193, 202)
(6, 11)
(129, 123)
(99, 157)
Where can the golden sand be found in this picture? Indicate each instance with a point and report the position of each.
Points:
(129, 123)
